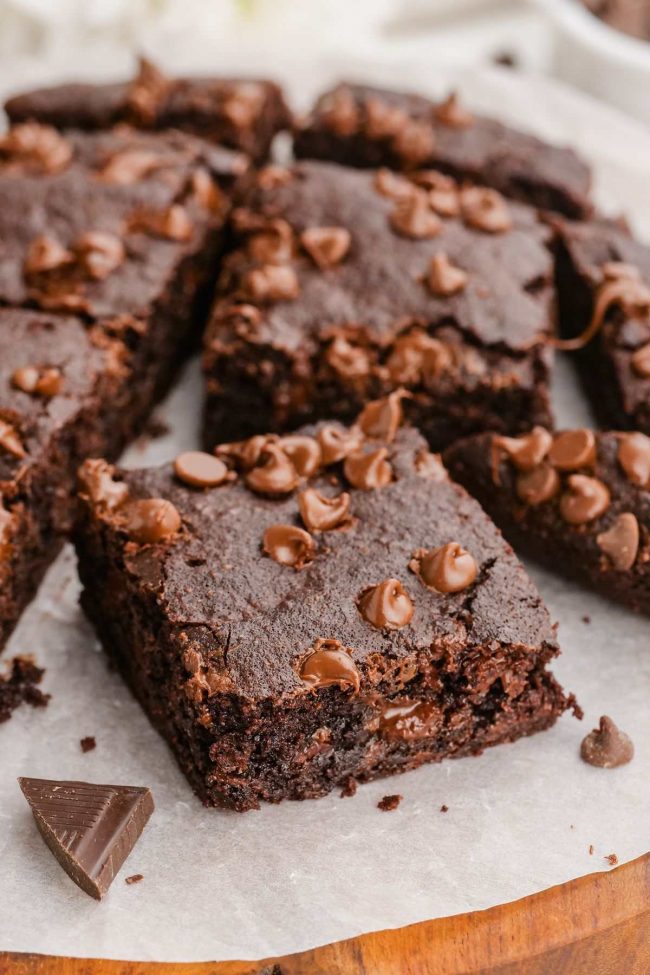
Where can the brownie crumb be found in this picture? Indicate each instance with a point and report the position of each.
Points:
(134, 878)
(612, 859)
(19, 685)
(586, 619)
(591, 849)
(505, 59)
(444, 808)
(87, 744)
(349, 789)
(388, 803)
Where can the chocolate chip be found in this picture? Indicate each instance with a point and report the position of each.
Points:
(149, 520)
(383, 121)
(573, 449)
(200, 470)
(272, 283)
(587, 499)
(245, 454)
(43, 381)
(272, 177)
(100, 253)
(452, 113)
(641, 361)
(322, 514)
(276, 475)
(621, 542)
(327, 246)
(634, 458)
(337, 443)
(525, 452)
(417, 357)
(45, 254)
(393, 185)
(10, 441)
(172, 224)
(444, 278)
(442, 192)
(538, 485)
(414, 218)
(348, 360)
(340, 113)
(386, 606)
(303, 452)
(485, 209)
(97, 484)
(129, 166)
(368, 471)
(289, 545)
(606, 746)
(621, 286)
(147, 92)
(449, 568)
(409, 720)
(205, 191)
(415, 143)
(330, 663)
(381, 418)
(243, 106)
(273, 244)
(35, 146)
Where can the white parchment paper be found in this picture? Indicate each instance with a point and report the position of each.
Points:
(221, 885)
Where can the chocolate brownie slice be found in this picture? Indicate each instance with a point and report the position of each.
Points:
(243, 114)
(604, 288)
(297, 611)
(578, 501)
(345, 285)
(61, 399)
(363, 126)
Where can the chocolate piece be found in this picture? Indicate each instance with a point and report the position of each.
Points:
(389, 803)
(200, 470)
(359, 125)
(33, 147)
(449, 568)
(634, 458)
(381, 419)
(41, 382)
(276, 473)
(304, 453)
(244, 114)
(368, 470)
(606, 746)
(149, 520)
(593, 526)
(90, 829)
(19, 685)
(485, 210)
(88, 744)
(526, 452)
(461, 320)
(271, 683)
(327, 246)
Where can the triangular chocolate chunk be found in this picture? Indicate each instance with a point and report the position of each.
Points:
(90, 829)
(576, 500)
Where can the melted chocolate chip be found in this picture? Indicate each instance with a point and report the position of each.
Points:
(303, 452)
(172, 224)
(149, 520)
(538, 485)
(337, 443)
(449, 568)
(409, 720)
(272, 283)
(200, 470)
(37, 381)
(205, 191)
(327, 246)
(525, 452)
(273, 244)
(45, 254)
(35, 147)
(393, 185)
(340, 113)
(417, 357)
(415, 143)
(100, 253)
(10, 441)
(386, 605)
(573, 449)
(442, 190)
(634, 458)
(606, 746)
(276, 475)
(621, 542)
(383, 121)
(96, 483)
(129, 166)
(321, 514)
(452, 113)
(587, 499)
(381, 418)
(289, 545)
(368, 471)
(444, 278)
(245, 453)
(330, 663)
(641, 361)
(348, 360)
(485, 210)
(414, 218)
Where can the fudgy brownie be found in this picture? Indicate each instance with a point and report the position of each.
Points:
(604, 288)
(244, 114)
(109, 243)
(363, 126)
(578, 501)
(298, 611)
(347, 284)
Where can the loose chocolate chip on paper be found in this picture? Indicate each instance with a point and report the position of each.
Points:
(606, 746)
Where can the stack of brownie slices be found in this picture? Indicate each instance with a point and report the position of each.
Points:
(312, 600)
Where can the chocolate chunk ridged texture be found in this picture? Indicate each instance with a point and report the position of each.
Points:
(342, 289)
(283, 645)
(580, 506)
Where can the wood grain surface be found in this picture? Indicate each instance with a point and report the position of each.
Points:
(597, 925)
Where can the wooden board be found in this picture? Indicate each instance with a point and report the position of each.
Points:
(597, 925)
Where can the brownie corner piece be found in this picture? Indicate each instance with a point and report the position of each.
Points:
(360, 125)
(577, 501)
(288, 624)
(347, 284)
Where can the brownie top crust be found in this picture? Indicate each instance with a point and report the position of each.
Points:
(270, 581)
(95, 223)
(364, 125)
(323, 247)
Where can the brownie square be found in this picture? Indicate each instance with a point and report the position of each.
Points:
(578, 501)
(61, 399)
(241, 113)
(345, 285)
(363, 126)
(604, 291)
(298, 612)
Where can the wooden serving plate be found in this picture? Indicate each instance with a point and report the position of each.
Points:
(597, 925)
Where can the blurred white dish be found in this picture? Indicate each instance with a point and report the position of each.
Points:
(599, 59)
